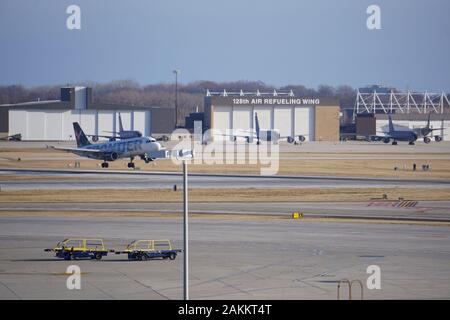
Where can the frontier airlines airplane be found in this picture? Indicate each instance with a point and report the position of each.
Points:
(142, 147)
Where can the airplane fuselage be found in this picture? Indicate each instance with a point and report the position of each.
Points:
(123, 148)
(409, 136)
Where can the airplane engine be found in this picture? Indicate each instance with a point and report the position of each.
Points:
(386, 140)
(437, 138)
(301, 138)
(426, 140)
(112, 156)
(290, 140)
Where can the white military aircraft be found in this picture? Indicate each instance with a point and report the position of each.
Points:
(265, 135)
(142, 147)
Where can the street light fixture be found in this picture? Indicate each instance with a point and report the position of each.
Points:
(176, 72)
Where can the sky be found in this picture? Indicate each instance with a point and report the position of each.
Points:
(279, 42)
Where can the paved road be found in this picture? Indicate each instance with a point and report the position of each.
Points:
(229, 259)
(116, 179)
(424, 210)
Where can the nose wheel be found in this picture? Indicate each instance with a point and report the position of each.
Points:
(105, 164)
(394, 143)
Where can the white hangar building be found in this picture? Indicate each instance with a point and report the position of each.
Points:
(53, 120)
(315, 119)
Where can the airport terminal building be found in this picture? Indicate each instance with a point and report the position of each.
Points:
(52, 120)
(315, 119)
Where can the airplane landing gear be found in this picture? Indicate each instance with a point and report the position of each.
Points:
(394, 143)
(131, 164)
(426, 140)
(105, 164)
(411, 143)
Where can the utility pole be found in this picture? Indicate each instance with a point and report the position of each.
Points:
(176, 71)
(185, 234)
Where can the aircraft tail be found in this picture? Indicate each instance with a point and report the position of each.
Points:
(391, 125)
(82, 140)
(120, 123)
(257, 126)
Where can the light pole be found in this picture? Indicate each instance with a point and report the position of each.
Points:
(185, 234)
(177, 72)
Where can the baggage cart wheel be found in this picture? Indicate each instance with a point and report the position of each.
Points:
(172, 256)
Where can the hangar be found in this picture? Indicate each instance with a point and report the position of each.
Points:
(315, 119)
(52, 120)
(409, 110)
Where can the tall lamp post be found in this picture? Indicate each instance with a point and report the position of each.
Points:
(185, 234)
(176, 72)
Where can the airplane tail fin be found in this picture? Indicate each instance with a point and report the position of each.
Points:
(391, 125)
(120, 123)
(257, 126)
(82, 140)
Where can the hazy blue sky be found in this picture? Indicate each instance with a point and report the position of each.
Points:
(280, 42)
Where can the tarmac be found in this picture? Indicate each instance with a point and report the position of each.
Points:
(288, 259)
(233, 258)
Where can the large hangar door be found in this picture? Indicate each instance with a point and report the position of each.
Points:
(105, 123)
(221, 122)
(54, 125)
(18, 123)
(242, 120)
(446, 130)
(140, 122)
(69, 117)
(283, 120)
(36, 125)
(88, 121)
(304, 122)
(126, 120)
(264, 118)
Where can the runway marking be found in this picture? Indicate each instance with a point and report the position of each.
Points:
(393, 203)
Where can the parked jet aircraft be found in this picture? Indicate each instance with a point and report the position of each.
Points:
(266, 135)
(426, 131)
(397, 135)
(121, 134)
(142, 147)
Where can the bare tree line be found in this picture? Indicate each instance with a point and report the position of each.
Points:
(190, 95)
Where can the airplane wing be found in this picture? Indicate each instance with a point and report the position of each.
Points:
(237, 135)
(78, 150)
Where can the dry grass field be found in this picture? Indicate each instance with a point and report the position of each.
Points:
(222, 195)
